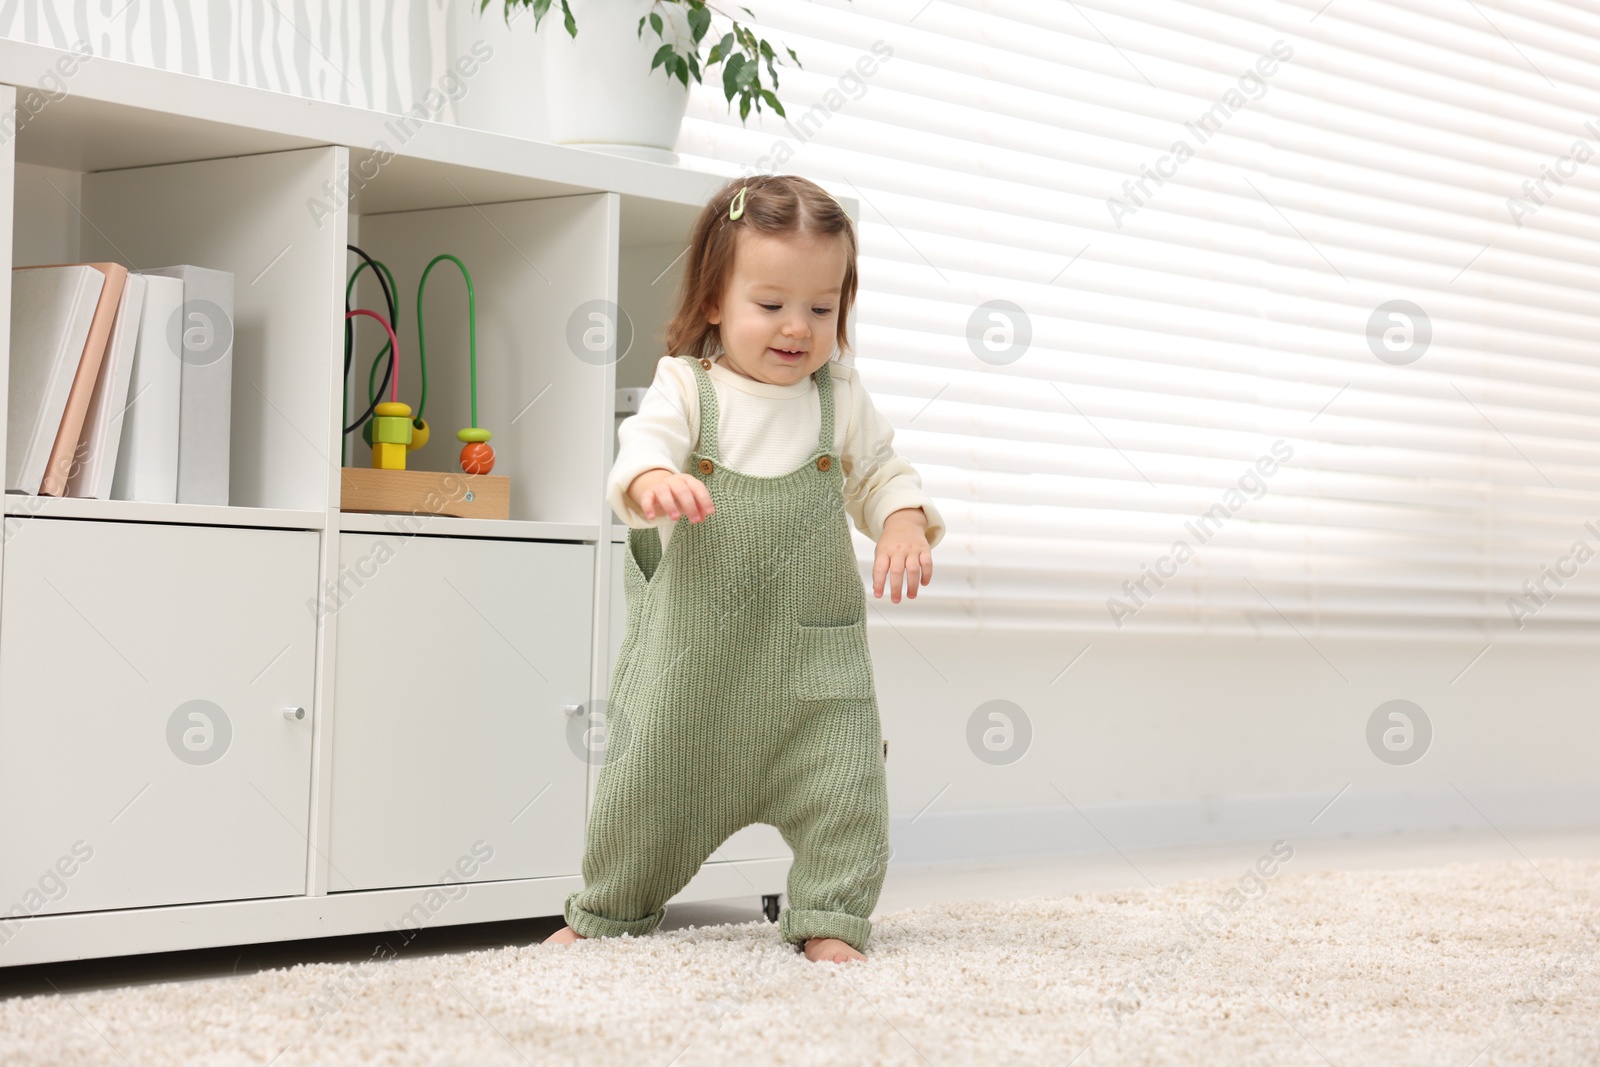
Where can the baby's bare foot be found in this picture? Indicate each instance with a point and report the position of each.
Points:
(564, 936)
(830, 949)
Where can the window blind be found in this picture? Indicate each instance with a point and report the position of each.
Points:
(1220, 317)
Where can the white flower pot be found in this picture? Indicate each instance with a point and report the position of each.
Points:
(600, 92)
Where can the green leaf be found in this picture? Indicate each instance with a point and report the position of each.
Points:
(699, 22)
(539, 9)
(640, 32)
(694, 66)
(730, 74)
(663, 55)
(744, 107)
(571, 23)
(655, 24)
(681, 69)
(766, 94)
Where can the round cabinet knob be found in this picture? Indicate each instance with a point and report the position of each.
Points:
(294, 713)
(573, 709)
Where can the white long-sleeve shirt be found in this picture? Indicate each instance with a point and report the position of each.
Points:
(765, 429)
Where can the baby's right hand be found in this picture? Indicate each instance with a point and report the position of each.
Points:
(673, 492)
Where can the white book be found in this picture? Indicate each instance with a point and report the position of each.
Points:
(101, 436)
(147, 459)
(52, 309)
(205, 408)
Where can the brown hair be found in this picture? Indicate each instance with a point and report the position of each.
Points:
(779, 204)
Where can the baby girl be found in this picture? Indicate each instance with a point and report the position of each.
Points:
(744, 686)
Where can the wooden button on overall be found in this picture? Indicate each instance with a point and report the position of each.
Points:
(705, 466)
(706, 363)
(824, 462)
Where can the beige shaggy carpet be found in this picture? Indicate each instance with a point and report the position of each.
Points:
(1471, 965)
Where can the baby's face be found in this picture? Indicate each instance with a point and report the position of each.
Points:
(783, 294)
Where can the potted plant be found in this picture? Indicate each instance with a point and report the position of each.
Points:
(602, 89)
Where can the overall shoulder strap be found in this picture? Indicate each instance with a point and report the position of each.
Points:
(824, 379)
(708, 408)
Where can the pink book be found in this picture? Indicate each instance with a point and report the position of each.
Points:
(61, 464)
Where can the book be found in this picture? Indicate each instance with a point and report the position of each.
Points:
(101, 436)
(64, 456)
(147, 459)
(52, 312)
(205, 404)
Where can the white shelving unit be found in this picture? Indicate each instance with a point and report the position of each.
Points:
(435, 659)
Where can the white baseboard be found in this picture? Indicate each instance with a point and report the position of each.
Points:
(936, 836)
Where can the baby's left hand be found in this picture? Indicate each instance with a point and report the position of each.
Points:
(903, 551)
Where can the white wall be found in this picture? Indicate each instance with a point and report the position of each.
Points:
(370, 54)
(377, 54)
(1170, 740)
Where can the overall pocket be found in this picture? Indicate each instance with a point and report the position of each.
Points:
(832, 662)
(643, 554)
(637, 596)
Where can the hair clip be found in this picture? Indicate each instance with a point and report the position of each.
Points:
(736, 208)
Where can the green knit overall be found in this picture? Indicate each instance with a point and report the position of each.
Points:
(743, 693)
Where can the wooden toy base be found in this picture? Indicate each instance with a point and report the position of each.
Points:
(466, 496)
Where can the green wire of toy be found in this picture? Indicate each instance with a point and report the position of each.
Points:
(472, 322)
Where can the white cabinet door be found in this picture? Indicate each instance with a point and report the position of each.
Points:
(144, 755)
(455, 659)
(757, 841)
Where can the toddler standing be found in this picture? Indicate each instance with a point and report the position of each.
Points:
(743, 690)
